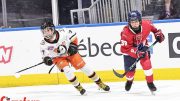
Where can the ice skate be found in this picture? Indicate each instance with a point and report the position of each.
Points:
(81, 89)
(152, 87)
(128, 85)
(103, 86)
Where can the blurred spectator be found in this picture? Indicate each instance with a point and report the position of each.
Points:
(171, 9)
(175, 13)
(167, 7)
(5, 27)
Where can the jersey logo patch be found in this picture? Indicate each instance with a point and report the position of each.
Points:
(42, 42)
(123, 43)
(50, 47)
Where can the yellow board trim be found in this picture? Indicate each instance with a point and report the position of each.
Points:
(106, 76)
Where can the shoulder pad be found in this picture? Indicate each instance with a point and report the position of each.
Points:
(125, 28)
(42, 42)
(147, 21)
(70, 31)
(61, 30)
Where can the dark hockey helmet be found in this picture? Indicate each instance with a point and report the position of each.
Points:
(134, 15)
(48, 29)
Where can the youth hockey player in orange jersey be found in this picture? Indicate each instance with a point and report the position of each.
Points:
(62, 44)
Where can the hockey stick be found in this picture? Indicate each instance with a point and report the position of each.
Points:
(133, 65)
(29, 67)
(32, 66)
(52, 68)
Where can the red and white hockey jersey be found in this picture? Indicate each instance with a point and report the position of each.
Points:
(130, 39)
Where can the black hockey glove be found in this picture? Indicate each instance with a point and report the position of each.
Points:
(73, 49)
(47, 60)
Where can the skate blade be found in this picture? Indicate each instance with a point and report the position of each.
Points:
(102, 90)
(153, 93)
(85, 94)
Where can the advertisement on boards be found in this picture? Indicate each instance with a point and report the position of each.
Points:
(174, 45)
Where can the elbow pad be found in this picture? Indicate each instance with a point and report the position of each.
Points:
(62, 49)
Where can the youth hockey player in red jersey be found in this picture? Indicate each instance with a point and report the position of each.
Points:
(133, 45)
(62, 44)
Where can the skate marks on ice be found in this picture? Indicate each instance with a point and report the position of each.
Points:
(166, 91)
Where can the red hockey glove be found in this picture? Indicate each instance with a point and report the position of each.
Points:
(159, 36)
(141, 50)
(141, 54)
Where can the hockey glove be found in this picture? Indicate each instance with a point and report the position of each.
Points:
(73, 49)
(140, 47)
(47, 60)
(159, 36)
(141, 54)
(141, 50)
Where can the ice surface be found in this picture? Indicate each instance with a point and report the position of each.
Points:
(167, 90)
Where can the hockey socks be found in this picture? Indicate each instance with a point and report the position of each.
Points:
(80, 89)
(102, 85)
(77, 85)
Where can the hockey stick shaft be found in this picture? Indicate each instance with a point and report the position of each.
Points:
(35, 66)
(133, 65)
(29, 67)
(52, 68)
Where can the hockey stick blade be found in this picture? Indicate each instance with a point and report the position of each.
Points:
(118, 75)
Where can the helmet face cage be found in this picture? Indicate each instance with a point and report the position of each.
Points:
(134, 15)
(48, 29)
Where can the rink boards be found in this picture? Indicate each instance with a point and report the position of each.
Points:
(99, 46)
(106, 76)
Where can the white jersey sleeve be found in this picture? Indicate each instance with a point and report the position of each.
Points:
(67, 36)
(70, 34)
(43, 49)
